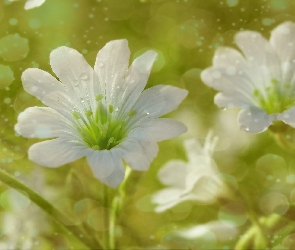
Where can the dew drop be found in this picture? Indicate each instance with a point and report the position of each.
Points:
(76, 83)
(100, 64)
(84, 76)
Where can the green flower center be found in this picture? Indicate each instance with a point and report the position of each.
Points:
(100, 129)
(275, 98)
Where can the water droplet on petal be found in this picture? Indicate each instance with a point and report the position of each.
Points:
(100, 64)
(76, 83)
(84, 76)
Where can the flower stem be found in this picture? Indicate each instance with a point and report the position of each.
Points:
(115, 209)
(106, 202)
(56, 215)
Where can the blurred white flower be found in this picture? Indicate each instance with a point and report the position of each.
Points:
(213, 229)
(20, 224)
(101, 114)
(198, 179)
(30, 4)
(261, 81)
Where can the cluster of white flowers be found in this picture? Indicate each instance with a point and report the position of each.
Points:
(106, 115)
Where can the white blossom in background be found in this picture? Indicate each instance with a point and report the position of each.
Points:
(20, 224)
(219, 230)
(30, 4)
(260, 80)
(101, 113)
(198, 179)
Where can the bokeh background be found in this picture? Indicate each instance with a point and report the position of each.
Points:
(185, 33)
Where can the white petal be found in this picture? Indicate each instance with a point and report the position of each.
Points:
(75, 73)
(222, 100)
(150, 149)
(139, 153)
(230, 60)
(206, 189)
(283, 41)
(157, 101)
(220, 230)
(165, 128)
(112, 59)
(259, 53)
(174, 173)
(134, 155)
(30, 4)
(47, 89)
(236, 86)
(107, 166)
(167, 198)
(111, 65)
(41, 122)
(56, 152)
(254, 120)
(288, 117)
(136, 79)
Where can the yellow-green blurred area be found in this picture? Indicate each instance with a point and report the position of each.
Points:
(185, 34)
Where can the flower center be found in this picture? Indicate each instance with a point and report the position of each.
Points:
(276, 98)
(100, 129)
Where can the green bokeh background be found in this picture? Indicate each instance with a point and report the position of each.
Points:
(185, 33)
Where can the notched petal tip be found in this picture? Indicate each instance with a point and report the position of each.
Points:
(29, 73)
(59, 51)
(145, 62)
(30, 4)
(118, 42)
(283, 29)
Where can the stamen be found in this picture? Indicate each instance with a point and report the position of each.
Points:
(132, 113)
(110, 141)
(111, 108)
(88, 113)
(99, 97)
(76, 115)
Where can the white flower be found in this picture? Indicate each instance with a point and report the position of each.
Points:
(20, 224)
(197, 180)
(101, 114)
(30, 4)
(261, 81)
(213, 229)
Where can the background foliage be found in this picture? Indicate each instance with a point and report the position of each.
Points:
(185, 33)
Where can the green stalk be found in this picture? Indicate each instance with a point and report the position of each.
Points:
(56, 215)
(106, 203)
(115, 209)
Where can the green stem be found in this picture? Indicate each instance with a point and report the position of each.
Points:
(117, 203)
(106, 199)
(255, 236)
(56, 215)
